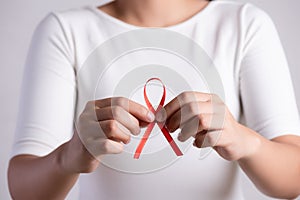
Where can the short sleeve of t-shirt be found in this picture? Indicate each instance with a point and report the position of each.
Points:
(267, 95)
(47, 100)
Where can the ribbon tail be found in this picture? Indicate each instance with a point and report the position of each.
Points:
(170, 140)
(143, 141)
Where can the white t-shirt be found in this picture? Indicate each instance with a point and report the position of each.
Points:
(244, 46)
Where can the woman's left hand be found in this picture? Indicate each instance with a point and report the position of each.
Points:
(206, 118)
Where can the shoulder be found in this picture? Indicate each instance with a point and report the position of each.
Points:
(240, 11)
(78, 17)
(246, 20)
(71, 31)
(72, 25)
(230, 6)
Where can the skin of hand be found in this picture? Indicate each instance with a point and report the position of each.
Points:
(202, 116)
(206, 118)
(104, 127)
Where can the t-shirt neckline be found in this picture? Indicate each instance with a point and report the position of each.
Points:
(131, 26)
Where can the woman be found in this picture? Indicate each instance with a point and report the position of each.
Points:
(242, 41)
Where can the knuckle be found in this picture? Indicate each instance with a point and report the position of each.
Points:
(204, 121)
(194, 108)
(112, 127)
(106, 146)
(117, 111)
(121, 101)
(112, 135)
(184, 96)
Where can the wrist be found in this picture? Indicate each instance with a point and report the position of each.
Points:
(252, 143)
(62, 159)
(74, 158)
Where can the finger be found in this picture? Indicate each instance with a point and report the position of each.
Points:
(182, 99)
(115, 131)
(94, 139)
(191, 128)
(107, 146)
(201, 132)
(187, 112)
(200, 123)
(212, 138)
(199, 139)
(136, 109)
(143, 124)
(100, 146)
(122, 116)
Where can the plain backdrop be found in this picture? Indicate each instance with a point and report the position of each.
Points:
(18, 18)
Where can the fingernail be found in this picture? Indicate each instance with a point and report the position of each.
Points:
(127, 141)
(138, 131)
(179, 137)
(194, 144)
(150, 116)
(160, 116)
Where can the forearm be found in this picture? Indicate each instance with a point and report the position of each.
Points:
(274, 167)
(32, 177)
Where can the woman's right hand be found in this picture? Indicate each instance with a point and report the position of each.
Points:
(103, 127)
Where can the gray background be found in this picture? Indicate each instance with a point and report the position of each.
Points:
(18, 19)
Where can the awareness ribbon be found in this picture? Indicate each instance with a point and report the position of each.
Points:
(161, 125)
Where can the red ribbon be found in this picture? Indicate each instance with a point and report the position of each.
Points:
(161, 125)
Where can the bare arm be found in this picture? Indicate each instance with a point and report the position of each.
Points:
(32, 177)
(275, 166)
(52, 176)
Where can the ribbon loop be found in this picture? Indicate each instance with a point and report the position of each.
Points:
(161, 125)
